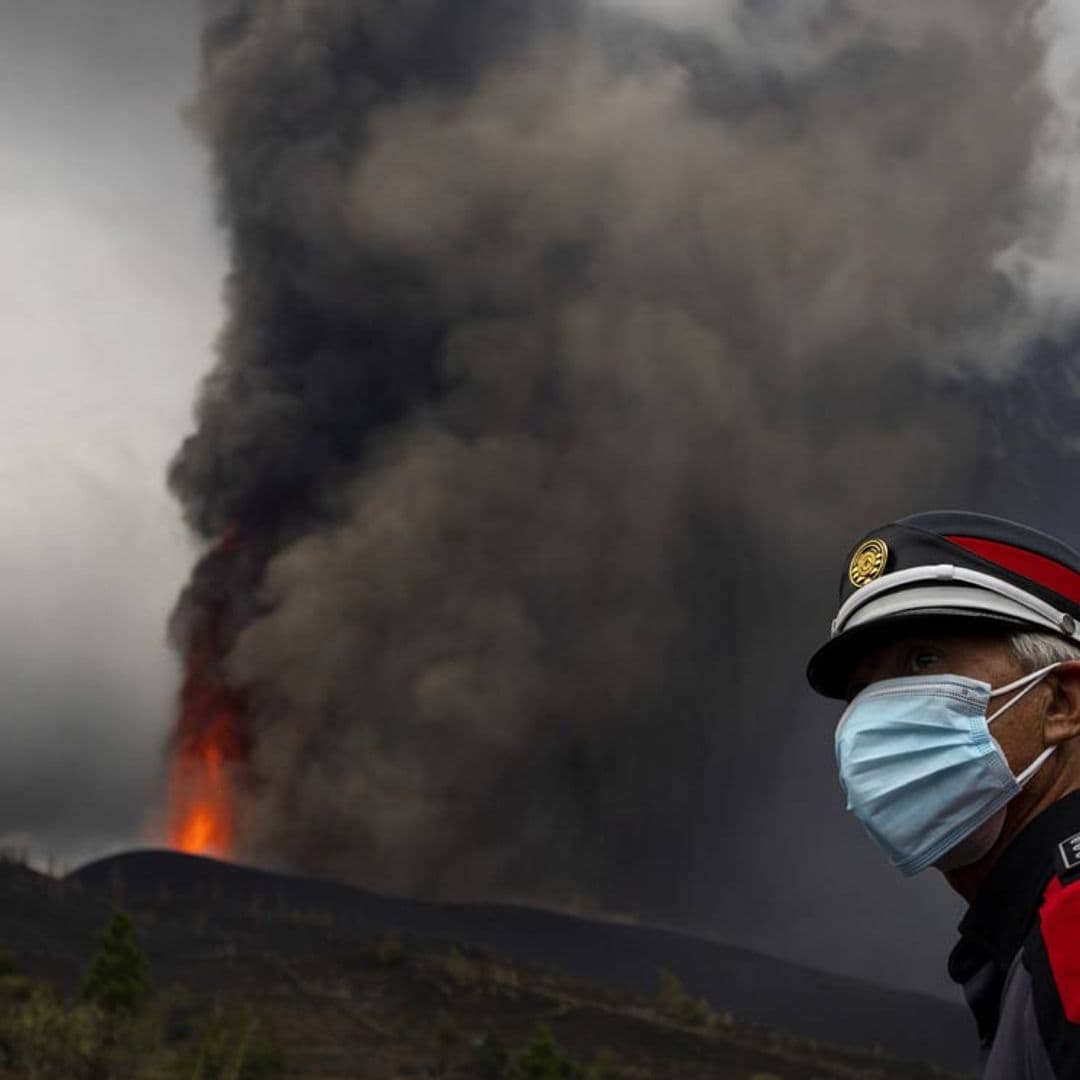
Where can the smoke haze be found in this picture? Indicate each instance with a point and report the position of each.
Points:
(569, 346)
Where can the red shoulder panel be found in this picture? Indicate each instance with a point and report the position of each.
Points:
(1060, 922)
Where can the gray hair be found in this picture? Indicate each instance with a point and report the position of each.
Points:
(1034, 649)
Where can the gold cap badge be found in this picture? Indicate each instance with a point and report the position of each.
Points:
(868, 562)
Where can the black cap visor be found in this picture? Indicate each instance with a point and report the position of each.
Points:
(830, 669)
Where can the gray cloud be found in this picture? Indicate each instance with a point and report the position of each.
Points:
(107, 311)
(564, 357)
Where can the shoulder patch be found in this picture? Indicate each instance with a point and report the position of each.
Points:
(1059, 919)
(1067, 859)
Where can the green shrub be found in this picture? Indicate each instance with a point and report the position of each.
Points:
(545, 1059)
(462, 974)
(260, 1055)
(604, 1067)
(696, 1012)
(678, 1004)
(41, 1036)
(236, 1044)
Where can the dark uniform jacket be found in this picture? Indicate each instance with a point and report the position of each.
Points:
(1018, 958)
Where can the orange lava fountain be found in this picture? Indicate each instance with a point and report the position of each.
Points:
(210, 739)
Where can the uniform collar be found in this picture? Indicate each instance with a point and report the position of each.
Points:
(999, 918)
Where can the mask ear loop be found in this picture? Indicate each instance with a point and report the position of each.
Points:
(1032, 681)
(1023, 777)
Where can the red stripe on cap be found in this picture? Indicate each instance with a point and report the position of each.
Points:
(1036, 568)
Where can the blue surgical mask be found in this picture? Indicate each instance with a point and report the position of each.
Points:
(920, 768)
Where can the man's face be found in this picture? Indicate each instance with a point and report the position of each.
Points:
(983, 656)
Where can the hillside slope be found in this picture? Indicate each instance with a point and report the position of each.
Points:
(244, 908)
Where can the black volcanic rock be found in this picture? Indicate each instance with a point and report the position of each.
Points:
(753, 986)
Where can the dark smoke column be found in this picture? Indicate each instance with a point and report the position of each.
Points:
(540, 318)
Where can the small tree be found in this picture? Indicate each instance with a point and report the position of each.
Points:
(545, 1059)
(116, 979)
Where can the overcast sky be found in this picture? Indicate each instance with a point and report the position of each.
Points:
(110, 275)
(109, 284)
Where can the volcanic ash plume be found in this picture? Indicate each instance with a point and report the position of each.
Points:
(555, 331)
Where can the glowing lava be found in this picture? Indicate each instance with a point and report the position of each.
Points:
(202, 805)
(210, 739)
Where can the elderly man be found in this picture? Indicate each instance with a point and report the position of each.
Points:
(957, 650)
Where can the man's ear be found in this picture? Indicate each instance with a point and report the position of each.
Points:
(1062, 720)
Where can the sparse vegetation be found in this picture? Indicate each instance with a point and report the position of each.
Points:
(236, 1044)
(41, 1036)
(281, 996)
(462, 973)
(503, 977)
(116, 1032)
(545, 1059)
(542, 1058)
(676, 1003)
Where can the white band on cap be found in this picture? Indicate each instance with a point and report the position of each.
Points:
(925, 588)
